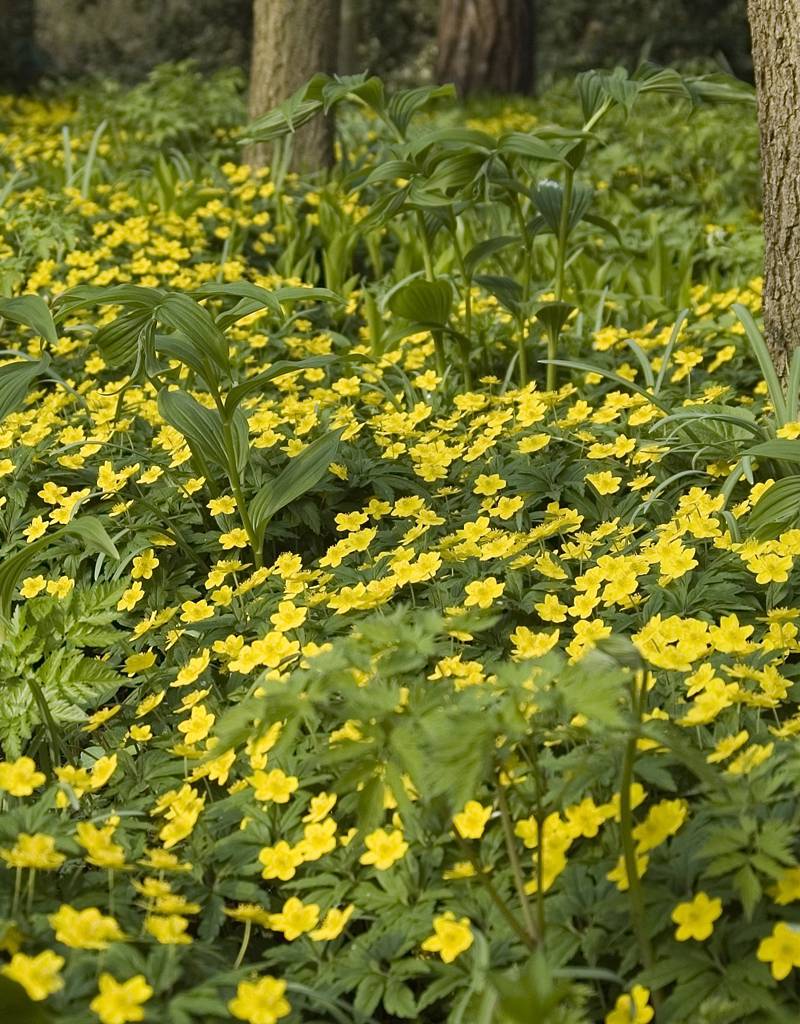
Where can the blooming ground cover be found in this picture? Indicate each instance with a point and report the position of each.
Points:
(491, 713)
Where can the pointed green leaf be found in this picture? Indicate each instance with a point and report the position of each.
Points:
(426, 302)
(303, 472)
(31, 311)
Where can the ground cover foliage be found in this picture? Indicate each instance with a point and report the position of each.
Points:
(359, 663)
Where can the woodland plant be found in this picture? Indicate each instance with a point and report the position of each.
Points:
(347, 683)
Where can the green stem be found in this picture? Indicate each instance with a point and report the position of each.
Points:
(248, 928)
(31, 889)
(516, 867)
(561, 259)
(626, 832)
(17, 891)
(236, 487)
(494, 895)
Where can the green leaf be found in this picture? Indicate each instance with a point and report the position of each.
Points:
(91, 531)
(761, 353)
(303, 472)
(425, 302)
(88, 529)
(402, 106)
(553, 316)
(549, 197)
(201, 427)
(483, 250)
(530, 146)
(15, 380)
(119, 340)
(194, 322)
(780, 448)
(31, 311)
(776, 507)
(279, 369)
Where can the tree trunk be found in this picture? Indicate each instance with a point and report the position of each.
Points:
(487, 45)
(350, 29)
(775, 29)
(18, 64)
(292, 41)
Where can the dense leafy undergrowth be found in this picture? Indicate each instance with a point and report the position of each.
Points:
(394, 686)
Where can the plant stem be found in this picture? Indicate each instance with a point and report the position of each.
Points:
(248, 927)
(236, 487)
(494, 895)
(516, 867)
(626, 832)
(561, 258)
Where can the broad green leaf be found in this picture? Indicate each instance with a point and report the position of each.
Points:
(426, 302)
(279, 369)
(552, 316)
(194, 322)
(201, 427)
(761, 352)
(483, 250)
(31, 311)
(777, 506)
(302, 473)
(530, 146)
(780, 448)
(15, 381)
(118, 341)
(549, 197)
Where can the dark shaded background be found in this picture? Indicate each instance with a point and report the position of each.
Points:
(127, 38)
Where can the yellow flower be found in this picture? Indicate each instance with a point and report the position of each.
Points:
(261, 1001)
(40, 975)
(605, 482)
(288, 616)
(280, 861)
(383, 848)
(20, 777)
(36, 529)
(450, 937)
(223, 506)
(169, 929)
(633, 1008)
(471, 822)
(144, 564)
(198, 725)
(333, 925)
(100, 848)
(781, 950)
(483, 592)
(132, 596)
(36, 851)
(320, 806)
(488, 485)
(120, 1002)
(139, 662)
(663, 820)
(295, 918)
(274, 785)
(696, 918)
(84, 929)
(236, 538)
(32, 585)
(196, 611)
(318, 839)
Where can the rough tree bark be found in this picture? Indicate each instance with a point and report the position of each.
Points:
(487, 45)
(292, 40)
(775, 29)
